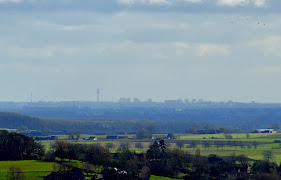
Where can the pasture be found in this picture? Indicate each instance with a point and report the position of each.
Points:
(265, 141)
(32, 169)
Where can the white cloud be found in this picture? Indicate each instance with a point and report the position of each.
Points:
(258, 3)
(212, 49)
(60, 27)
(180, 45)
(232, 2)
(171, 26)
(270, 45)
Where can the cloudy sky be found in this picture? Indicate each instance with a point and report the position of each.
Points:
(216, 50)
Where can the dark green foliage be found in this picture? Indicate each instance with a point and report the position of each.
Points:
(143, 133)
(268, 155)
(263, 167)
(16, 146)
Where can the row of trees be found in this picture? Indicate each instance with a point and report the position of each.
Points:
(219, 144)
(162, 161)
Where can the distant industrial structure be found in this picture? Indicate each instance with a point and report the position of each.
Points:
(98, 95)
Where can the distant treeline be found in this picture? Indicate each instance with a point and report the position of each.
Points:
(126, 120)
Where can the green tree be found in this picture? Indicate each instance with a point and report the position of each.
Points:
(242, 159)
(143, 134)
(145, 173)
(268, 155)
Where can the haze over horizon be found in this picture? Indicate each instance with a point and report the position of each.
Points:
(215, 50)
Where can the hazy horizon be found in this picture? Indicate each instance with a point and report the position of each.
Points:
(65, 50)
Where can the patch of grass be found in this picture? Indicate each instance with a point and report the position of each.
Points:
(152, 177)
(32, 169)
(27, 165)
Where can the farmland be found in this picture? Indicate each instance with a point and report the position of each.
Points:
(265, 142)
(36, 169)
(32, 169)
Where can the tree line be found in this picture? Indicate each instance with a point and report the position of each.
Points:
(16, 146)
(162, 161)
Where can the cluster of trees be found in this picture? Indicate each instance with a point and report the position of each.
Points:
(16, 146)
(163, 161)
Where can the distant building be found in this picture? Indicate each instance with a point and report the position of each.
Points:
(193, 100)
(264, 131)
(136, 100)
(149, 100)
(75, 173)
(34, 133)
(170, 136)
(186, 101)
(111, 137)
(124, 100)
(92, 138)
(45, 138)
(123, 137)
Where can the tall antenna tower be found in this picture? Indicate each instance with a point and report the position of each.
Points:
(98, 95)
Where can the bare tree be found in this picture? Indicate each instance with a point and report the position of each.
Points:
(193, 144)
(125, 145)
(206, 144)
(139, 145)
(180, 144)
(15, 173)
(109, 145)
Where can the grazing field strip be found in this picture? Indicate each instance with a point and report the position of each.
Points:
(152, 177)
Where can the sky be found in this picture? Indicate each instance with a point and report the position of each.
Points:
(216, 50)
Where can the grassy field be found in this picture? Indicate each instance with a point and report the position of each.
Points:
(37, 169)
(266, 141)
(32, 169)
(152, 177)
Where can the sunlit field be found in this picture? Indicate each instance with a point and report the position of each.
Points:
(32, 169)
(266, 142)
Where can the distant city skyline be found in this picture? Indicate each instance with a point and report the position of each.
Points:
(64, 50)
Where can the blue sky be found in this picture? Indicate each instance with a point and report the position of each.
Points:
(216, 50)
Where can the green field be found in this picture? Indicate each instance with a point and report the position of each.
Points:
(152, 177)
(266, 140)
(38, 169)
(32, 169)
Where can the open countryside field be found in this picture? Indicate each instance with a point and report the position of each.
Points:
(37, 170)
(266, 142)
(32, 169)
